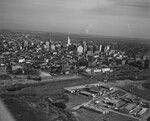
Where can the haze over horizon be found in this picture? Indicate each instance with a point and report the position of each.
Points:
(124, 18)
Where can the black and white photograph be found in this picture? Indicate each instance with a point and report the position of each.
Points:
(74, 60)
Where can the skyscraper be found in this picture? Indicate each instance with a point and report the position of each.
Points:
(80, 49)
(69, 41)
(100, 48)
(84, 47)
(25, 44)
(47, 45)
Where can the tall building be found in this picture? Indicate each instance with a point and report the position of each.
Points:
(100, 48)
(47, 45)
(90, 48)
(80, 49)
(106, 49)
(95, 48)
(85, 47)
(69, 41)
(52, 47)
(25, 44)
(111, 52)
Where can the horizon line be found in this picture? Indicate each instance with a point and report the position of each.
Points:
(95, 35)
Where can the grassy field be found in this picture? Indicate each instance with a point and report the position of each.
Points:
(143, 93)
(29, 103)
(22, 112)
(88, 115)
(75, 100)
(50, 88)
(36, 109)
(147, 85)
(83, 114)
(116, 117)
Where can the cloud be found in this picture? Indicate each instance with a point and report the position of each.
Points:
(85, 4)
(133, 3)
(130, 8)
(104, 17)
(99, 3)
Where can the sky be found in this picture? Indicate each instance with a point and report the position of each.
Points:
(125, 18)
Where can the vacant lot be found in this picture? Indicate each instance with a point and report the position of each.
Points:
(116, 117)
(83, 114)
(75, 100)
(29, 103)
(143, 93)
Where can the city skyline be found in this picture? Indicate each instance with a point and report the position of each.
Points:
(125, 18)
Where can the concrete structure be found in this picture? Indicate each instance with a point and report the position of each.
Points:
(100, 48)
(52, 47)
(68, 41)
(90, 53)
(47, 45)
(84, 47)
(80, 49)
(142, 111)
(95, 108)
(130, 106)
(25, 44)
